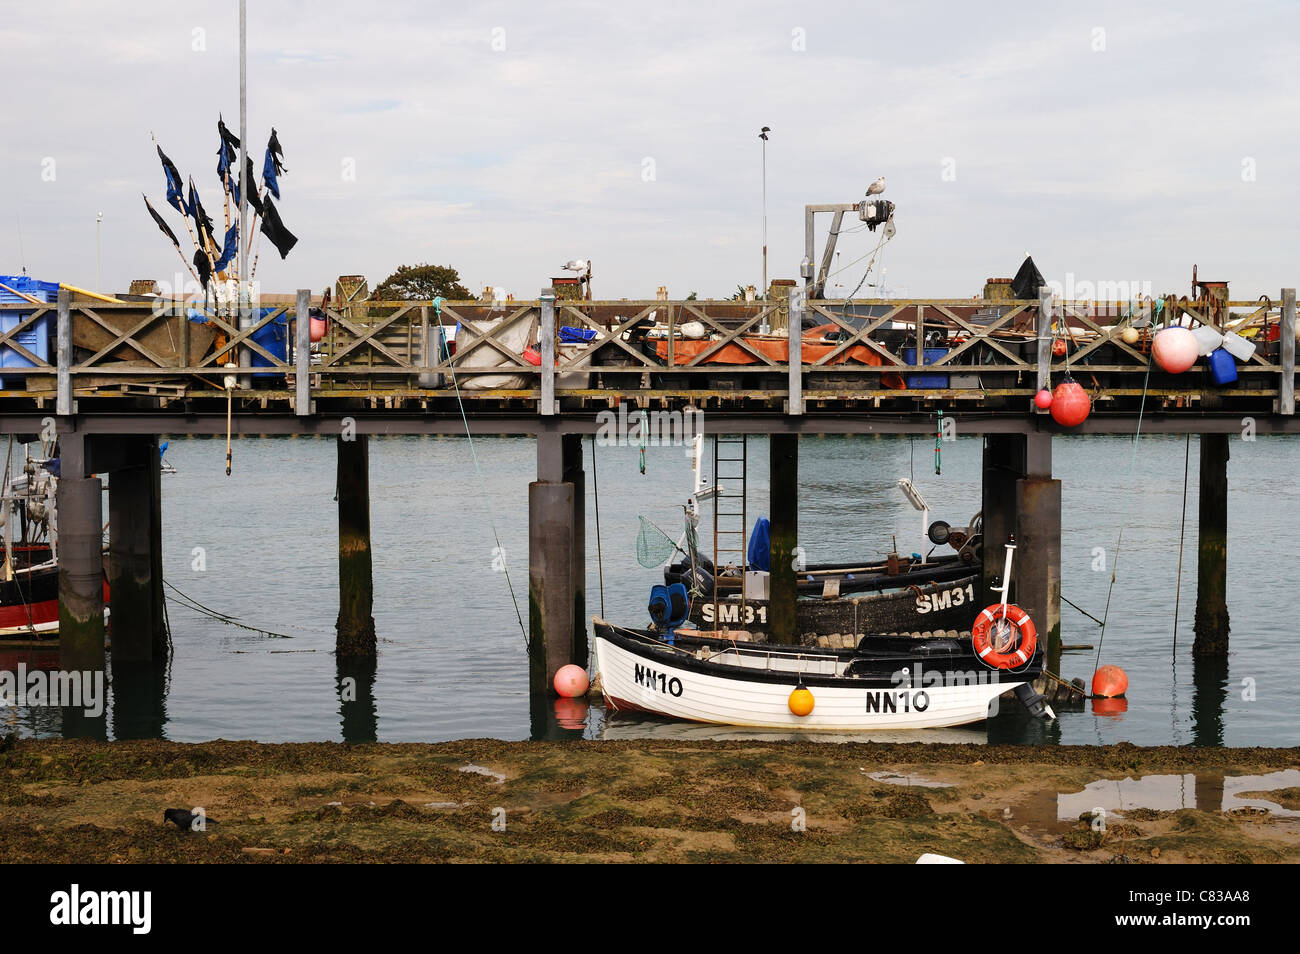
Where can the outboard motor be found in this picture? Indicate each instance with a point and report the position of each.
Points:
(1034, 702)
(670, 607)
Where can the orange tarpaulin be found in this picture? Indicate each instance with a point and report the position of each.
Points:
(777, 348)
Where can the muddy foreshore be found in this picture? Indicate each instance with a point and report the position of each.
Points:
(492, 801)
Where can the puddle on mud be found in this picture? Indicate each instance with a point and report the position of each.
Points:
(1212, 793)
(894, 778)
(496, 776)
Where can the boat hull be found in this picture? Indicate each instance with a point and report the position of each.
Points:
(639, 676)
(920, 608)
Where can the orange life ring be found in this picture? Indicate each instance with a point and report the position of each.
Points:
(982, 637)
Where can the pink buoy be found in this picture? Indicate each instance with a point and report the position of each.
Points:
(571, 713)
(317, 330)
(1043, 399)
(571, 681)
(1175, 349)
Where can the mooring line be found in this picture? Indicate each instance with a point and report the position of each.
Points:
(1119, 539)
(190, 603)
(600, 560)
(1082, 610)
(492, 520)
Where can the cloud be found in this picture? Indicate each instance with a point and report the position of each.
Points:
(504, 138)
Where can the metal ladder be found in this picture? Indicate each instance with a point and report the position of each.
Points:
(730, 513)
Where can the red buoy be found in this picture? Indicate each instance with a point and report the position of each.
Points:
(1109, 682)
(1112, 708)
(1058, 348)
(1043, 399)
(1070, 403)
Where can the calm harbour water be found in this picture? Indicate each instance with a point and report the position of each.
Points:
(452, 662)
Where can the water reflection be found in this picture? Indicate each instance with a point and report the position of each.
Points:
(1210, 685)
(557, 719)
(354, 685)
(139, 699)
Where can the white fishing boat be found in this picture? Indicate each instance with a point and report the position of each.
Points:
(884, 682)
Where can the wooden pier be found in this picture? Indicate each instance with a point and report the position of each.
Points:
(126, 373)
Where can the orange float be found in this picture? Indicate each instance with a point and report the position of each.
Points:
(801, 701)
(1070, 403)
(1109, 682)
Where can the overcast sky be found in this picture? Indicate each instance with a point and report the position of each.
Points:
(1114, 141)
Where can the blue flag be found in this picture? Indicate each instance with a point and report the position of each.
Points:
(231, 247)
(272, 167)
(175, 191)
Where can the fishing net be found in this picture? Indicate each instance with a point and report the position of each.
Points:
(653, 546)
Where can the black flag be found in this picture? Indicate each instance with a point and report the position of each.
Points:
(229, 151)
(202, 221)
(254, 200)
(175, 191)
(204, 266)
(274, 229)
(161, 224)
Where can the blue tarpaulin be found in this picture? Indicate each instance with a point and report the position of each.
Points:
(575, 335)
(760, 545)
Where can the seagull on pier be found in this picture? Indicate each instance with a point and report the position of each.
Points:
(577, 265)
(876, 187)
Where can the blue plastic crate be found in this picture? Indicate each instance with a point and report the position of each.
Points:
(47, 292)
(926, 382)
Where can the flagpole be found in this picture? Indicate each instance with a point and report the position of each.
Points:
(245, 357)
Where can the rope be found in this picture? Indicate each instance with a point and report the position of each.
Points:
(600, 560)
(1182, 533)
(1114, 567)
(192, 604)
(1083, 611)
(492, 519)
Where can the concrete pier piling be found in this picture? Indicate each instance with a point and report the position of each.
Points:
(784, 534)
(1211, 625)
(355, 627)
(81, 573)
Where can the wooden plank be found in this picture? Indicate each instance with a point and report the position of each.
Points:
(1286, 383)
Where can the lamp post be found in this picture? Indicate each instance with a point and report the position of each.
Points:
(763, 136)
(245, 313)
(99, 281)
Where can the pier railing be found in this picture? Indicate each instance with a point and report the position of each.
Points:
(786, 354)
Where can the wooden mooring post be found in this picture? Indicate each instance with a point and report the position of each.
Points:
(576, 477)
(1022, 499)
(1211, 627)
(551, 569)
(135, 552)
(355, 627)
(784, 535)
